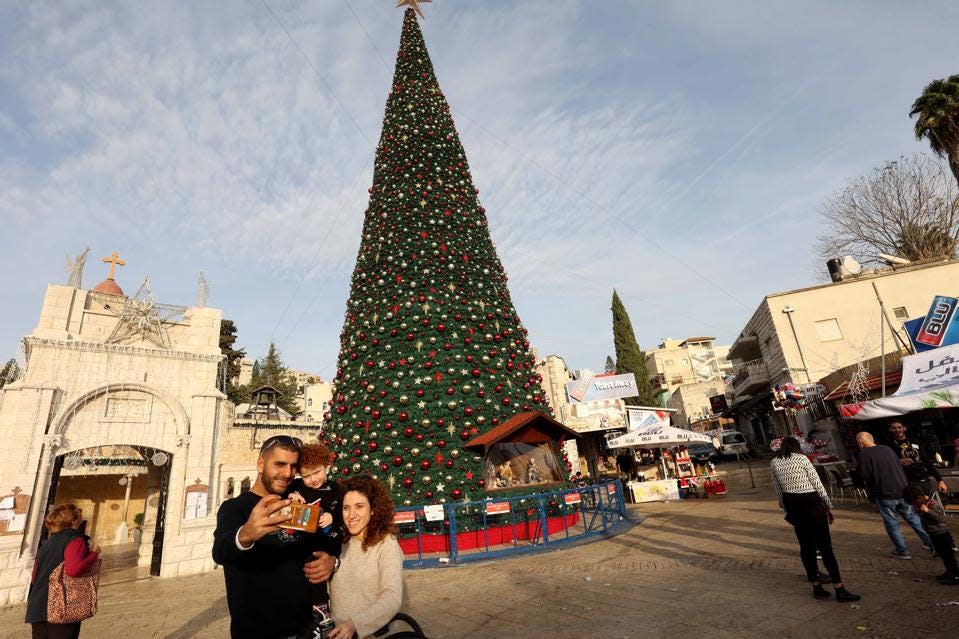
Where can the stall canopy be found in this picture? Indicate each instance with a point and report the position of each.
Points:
(658, 437)
(532, 427)
(929, 380)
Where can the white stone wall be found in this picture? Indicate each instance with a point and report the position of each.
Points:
(79, 392)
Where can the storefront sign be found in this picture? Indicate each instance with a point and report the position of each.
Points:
(572, 498)
(718, 403)
(602, 387)
(938, 328)
(497, 507)
(645, 417)
(605, 414)
(930, 370)
(580, 386)
(404, 517)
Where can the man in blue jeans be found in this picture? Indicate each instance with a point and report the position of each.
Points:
(882, 473)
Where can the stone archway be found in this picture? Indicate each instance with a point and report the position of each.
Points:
(122, 491)
(123, 391)
(119, 414)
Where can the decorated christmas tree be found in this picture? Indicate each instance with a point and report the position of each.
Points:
(432, 352)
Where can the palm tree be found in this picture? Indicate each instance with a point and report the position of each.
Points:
(938, 119)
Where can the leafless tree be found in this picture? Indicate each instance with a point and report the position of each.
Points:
(908, 208)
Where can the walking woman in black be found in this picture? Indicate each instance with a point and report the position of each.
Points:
(808, 509)
(68, 546)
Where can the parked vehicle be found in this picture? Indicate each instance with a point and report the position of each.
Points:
(703, 453)
(732, 443)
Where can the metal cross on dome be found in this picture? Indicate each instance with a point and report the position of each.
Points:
(141, 317)
(414, 4)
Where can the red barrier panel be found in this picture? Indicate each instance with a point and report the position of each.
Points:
(494, 536)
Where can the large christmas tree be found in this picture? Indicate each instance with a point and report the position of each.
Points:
(432, 351)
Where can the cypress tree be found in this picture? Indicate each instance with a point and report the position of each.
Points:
(629, 357)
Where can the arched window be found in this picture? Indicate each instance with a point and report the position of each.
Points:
(230, 488)
(245, 485)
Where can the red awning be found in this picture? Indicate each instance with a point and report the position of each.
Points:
(532, 427)
(873, 382)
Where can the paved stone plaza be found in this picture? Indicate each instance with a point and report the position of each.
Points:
(724, 567)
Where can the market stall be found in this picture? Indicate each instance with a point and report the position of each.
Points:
(662, 437)
(929, 380)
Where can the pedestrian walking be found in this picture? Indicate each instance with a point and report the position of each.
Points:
(883, 475)
(67, 553)
(809, 510)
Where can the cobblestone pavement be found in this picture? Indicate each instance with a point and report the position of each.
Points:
(718, 568)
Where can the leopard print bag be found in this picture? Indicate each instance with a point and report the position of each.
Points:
(72, 599)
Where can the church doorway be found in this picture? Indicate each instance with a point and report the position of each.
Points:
(122, 490)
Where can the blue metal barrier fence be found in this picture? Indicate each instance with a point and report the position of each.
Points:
(470, 531)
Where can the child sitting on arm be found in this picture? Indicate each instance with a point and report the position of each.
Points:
(313, 487)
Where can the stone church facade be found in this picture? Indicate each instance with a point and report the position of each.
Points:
(117, 394)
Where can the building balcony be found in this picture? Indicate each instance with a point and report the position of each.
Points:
(745, 348)
(749, 377)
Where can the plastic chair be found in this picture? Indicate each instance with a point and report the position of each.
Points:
(842, 482)
(415, 633)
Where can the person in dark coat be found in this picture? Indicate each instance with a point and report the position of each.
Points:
(916, 460)
(885, 480)
(268, 571)
(68, 546)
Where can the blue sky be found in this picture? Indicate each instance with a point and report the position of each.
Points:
(679, 152)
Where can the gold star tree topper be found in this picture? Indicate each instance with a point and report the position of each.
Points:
(415, 4)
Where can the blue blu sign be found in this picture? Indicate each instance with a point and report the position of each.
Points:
(938, 328)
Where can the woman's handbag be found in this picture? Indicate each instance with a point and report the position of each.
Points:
(72, 599)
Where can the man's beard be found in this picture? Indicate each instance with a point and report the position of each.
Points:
(270, 484)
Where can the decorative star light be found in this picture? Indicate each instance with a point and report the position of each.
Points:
(141, 318)
(451, 430)
(421, 404)
(440, 487)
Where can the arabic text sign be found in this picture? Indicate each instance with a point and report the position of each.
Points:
(929, 370)
(605, 387)
(938, 328)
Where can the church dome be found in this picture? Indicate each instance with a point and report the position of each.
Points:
(108, 287)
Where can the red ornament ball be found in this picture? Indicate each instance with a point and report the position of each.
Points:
(407, 482)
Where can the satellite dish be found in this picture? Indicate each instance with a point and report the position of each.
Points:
(851, 265)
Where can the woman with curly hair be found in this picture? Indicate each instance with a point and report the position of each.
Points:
(367, 588)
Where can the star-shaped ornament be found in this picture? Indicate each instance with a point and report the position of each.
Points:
(141, 318)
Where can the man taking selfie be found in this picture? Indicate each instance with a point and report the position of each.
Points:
(267, 570)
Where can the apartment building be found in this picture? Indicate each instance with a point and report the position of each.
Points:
(689, 361)
(803, 335)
